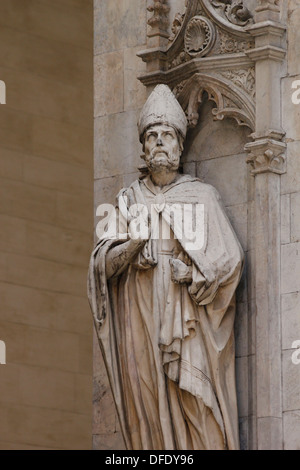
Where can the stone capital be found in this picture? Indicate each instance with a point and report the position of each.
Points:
(266, 156)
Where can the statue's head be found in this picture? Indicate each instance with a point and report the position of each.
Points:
(162, 129)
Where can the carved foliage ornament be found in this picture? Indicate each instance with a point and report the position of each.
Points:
(244, 79)
(267, 156)
(268, 5)
(228, 44)
(160, 19)
(234, 11)
(199, 36)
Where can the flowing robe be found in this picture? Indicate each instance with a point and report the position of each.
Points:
(168, 347)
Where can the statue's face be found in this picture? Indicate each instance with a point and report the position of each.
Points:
(162, 148)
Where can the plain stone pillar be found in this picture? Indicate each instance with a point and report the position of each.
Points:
(267, 157)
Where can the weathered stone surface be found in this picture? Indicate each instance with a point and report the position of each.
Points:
(244, 433)
(124, 25)
(106, 190)
(269, 433)
(108, 441)
(108, 83)
(242, 385)
(116, 153)
(241, 331)
(290, 308)
(290, 182)
(232, 190)
(105, 420)
(290, 272)
(295, 216)
(286, 219)
(291, 430)
(238, 215)
(291, 380)
(190, 168)
(135, 93)
(293, 37)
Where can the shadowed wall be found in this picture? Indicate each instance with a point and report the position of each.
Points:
(46, 219)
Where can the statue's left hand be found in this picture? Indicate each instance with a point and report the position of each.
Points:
(180, 272)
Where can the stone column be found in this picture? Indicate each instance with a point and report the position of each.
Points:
(267, 158)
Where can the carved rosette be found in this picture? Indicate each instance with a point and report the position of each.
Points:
(199, 36)
(267, 156)
(229, 44)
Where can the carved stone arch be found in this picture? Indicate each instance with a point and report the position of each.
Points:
(231, 101)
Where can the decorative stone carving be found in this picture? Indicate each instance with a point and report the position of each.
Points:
(176, 25)
(199, 36)
(242, 78)
(230, 44)
(230, 100)
(159, 21)
(268, 5)
(267, 156)
(164, 307)
(234, 11)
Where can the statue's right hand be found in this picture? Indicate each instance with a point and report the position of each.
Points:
(139, 226)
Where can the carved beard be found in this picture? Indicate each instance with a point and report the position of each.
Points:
(170, 163)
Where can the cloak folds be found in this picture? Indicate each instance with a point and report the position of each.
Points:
(163, 342)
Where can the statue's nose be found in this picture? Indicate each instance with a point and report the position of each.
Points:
(159, 141)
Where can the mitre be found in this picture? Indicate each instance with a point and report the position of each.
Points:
(162, 108)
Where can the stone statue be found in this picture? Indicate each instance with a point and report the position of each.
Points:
(164, 306)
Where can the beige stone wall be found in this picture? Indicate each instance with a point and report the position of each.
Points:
(290, 236)
(46, 219)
